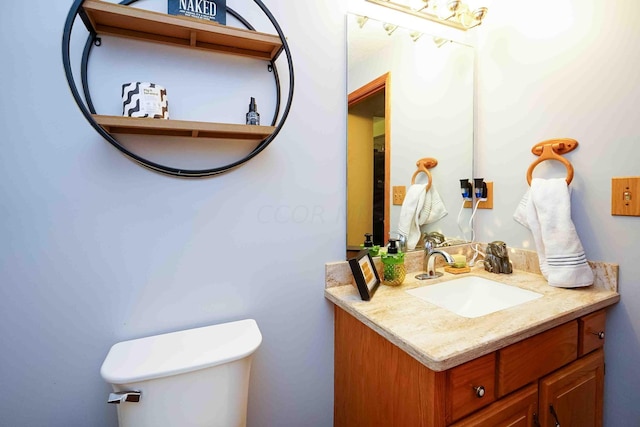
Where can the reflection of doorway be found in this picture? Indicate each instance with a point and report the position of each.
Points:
(368, 155)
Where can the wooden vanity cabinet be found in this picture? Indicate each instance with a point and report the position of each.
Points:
(378, 384)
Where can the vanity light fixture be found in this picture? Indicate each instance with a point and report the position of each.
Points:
(453, 13)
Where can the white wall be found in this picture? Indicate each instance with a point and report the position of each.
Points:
(569, 68)
(97, 249)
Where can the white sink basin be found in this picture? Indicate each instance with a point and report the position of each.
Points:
(473, 296)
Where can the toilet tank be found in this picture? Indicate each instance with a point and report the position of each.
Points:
(197, 377)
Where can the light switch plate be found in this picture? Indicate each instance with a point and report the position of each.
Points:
(399, 192)
(625, 196)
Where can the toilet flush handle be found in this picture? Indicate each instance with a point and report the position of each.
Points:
(124, 396)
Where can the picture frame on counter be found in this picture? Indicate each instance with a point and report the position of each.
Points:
(365, 274)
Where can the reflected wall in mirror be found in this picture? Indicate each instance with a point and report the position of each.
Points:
(427, 111)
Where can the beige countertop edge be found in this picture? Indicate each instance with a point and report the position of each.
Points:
(494, 331)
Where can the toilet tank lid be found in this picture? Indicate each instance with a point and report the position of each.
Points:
(179, 352)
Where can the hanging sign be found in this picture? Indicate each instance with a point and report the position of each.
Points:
(212, 10)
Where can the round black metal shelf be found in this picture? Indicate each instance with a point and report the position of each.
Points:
(87, 108)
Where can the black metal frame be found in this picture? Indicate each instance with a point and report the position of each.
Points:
(88, 108)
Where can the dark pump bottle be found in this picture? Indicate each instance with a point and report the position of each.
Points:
(374, 250)
(253, 118)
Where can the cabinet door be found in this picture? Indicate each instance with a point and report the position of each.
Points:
(572, 396)
(515, 410)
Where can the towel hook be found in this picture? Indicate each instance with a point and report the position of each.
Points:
(553, 149)
(423, 166)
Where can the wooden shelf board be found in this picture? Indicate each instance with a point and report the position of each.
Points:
(182, 128)
(127, 21)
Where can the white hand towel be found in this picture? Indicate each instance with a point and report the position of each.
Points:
(419, 207)
(545, 209)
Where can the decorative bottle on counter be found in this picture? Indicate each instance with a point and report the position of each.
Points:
(393, 269)
(374, 250)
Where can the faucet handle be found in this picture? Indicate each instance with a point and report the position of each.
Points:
(402, 240)
(428, 246)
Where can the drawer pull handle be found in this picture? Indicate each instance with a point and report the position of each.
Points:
(480, 391)
(600, 334)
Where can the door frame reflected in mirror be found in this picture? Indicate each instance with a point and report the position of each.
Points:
(368, 205)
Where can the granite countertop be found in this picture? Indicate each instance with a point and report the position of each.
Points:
(440, 339)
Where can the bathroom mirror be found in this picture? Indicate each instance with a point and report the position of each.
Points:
(410, 97)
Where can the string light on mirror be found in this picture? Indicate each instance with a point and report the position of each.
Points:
(389, 28)
(415, 35)
(453, 13)
(362, 20)
(439, 41)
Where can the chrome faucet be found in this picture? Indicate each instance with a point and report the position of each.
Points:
(430, 261)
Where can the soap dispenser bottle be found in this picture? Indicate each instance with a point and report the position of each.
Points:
(393, 269)
(374, 250)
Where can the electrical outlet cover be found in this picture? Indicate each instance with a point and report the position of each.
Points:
(399, 193)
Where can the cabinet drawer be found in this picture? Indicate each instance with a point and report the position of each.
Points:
(515, 410)
(470, 386)
(591, 332)
(528, 360)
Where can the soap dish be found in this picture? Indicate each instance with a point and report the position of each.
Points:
(457, 270)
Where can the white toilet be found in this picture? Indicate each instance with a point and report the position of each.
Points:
(197, 377)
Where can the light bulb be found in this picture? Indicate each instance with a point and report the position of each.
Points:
(478, 8)
(447, 8)
(472, 15)
(465, 17)
(479, 13)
